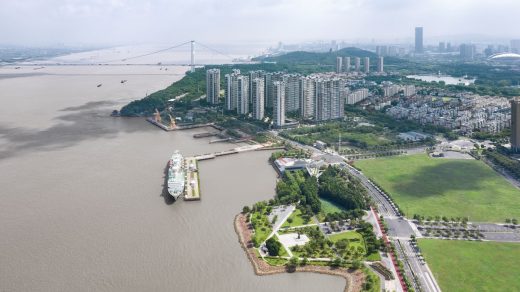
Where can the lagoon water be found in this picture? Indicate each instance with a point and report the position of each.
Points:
(81, 193)
(449, 80)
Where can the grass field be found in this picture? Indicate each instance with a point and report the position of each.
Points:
(262, 226)
(473, 266)
(296, 218)
(274, 261)
(445, 187)
(354, 238)
(329, 207)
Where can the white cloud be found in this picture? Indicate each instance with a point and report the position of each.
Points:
(125, 21)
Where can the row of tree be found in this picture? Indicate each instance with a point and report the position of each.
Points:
(502, 160)
(338, 186)
(296, 186)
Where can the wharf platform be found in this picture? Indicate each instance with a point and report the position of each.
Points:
(192, 192)
(204, 135)
(185, 127)
(229, 152)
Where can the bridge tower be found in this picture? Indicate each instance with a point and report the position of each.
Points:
(192, 63)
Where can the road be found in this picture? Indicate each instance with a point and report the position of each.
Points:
(399, 229)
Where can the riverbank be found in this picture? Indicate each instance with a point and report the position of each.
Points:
(354, 279)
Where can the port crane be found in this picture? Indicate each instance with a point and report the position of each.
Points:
(157, 116)
(172, 125)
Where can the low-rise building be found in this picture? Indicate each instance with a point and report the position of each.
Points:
(290, 164)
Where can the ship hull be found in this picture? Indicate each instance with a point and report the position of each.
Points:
(176, 175)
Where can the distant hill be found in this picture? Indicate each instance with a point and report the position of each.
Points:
(302, 57)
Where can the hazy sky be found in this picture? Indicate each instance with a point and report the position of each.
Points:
(217, 21)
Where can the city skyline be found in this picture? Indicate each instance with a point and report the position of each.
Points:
(31, 22)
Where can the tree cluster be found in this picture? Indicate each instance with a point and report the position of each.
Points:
(296, 186)
(273, 246)
(340, 187)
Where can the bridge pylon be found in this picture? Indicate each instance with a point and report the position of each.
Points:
(192, 63)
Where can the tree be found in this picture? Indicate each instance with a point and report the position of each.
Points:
(342, 244)
(508, 220)
(255, 241)
(514, 221)
(342, 188)
(273, 246)
(246, 209)
(336, 262)
(356, 264)
(309, 190)
(292, 264)
(305, 261)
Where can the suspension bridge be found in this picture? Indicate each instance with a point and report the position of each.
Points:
(126, 61)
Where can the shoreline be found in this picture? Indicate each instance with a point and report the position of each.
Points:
(354, 279)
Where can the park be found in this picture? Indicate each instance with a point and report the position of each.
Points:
(473, 265)
(444, 187)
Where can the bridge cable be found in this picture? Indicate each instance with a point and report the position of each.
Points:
(147, 54)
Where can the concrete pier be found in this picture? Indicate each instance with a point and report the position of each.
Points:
(187, 127)
(192, 191)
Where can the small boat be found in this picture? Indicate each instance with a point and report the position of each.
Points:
(99, 85)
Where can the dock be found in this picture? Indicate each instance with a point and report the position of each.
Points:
(229, 152)
(192, 192)
(204, 135)
(182, 127)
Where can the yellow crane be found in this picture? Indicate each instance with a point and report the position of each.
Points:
(157, 116)
(172, 122)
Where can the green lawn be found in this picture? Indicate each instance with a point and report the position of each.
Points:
(373, 257)
(354, 238)
(261, 225)
(297, 219)
(445, 187)
(473, 266)
(327, 207)
(275, 261)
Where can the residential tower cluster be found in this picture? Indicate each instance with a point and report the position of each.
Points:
(318, 97)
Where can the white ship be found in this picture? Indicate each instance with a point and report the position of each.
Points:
(176, 175)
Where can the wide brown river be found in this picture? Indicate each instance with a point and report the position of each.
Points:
(81, 205)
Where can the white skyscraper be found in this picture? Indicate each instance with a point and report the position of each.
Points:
(278, 103)
(258, 97)
(339, 64)
(346, 64)
(357, 64)
(252, 76)
(231, 91)
(330, 99)
(269, 79)
(292, 92)
(380, 65)
(243, 95)
(367, 64)
(212, 86)
(307, 96)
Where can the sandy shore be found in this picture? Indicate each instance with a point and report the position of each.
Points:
(354, 279)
